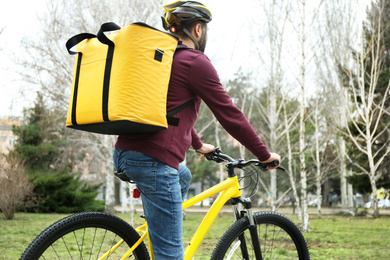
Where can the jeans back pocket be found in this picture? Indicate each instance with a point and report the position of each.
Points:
(143, 173)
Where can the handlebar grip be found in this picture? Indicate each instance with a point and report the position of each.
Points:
(274, 163)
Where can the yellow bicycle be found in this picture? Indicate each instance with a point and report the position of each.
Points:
(254, 235)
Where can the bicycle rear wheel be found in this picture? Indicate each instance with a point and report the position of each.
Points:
(86, 235)
(279, 238)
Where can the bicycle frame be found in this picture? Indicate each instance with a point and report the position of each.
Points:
(230, 188)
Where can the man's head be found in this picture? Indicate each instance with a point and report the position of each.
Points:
(188, 19)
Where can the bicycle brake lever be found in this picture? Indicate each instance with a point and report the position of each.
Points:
(214, 156)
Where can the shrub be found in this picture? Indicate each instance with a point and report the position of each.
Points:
(14, 185)
(63, 192)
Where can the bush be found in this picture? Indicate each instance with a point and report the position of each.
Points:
(14, 185)
(64, 192)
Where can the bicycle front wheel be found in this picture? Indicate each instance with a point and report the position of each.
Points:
(89, 235)
(279, 238)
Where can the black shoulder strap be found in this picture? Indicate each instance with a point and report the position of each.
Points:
(174, 121)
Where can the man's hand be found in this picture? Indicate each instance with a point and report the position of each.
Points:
(274, 157)
(206, 148)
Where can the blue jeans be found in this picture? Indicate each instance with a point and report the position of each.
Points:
(163, 189)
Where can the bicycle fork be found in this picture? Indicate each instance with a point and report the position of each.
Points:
(252, 227)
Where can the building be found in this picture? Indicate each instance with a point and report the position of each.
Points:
(7, 138)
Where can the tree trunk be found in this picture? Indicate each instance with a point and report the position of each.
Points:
(349, 193)
(318, 161)
(343, 175)
(273, 139)
(290, 171)
(110, 183)
(110, 189)
(305, 224)
(302, 146)
(125, 204)
(372, 176)
(374, 203)
(133, 210)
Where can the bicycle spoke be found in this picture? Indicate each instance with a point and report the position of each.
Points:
(265, 239)
(101, 244)
(273, 240)
(93, 242)
(82, 243)
(55, 251)
(112, 245)
(67, 248)
(285, 237)
(77, 243)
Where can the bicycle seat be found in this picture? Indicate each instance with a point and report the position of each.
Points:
(123, 177)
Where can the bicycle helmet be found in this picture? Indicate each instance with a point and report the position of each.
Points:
(178, 14)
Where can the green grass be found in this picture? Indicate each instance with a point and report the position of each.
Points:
(349, 238)
(332, 237)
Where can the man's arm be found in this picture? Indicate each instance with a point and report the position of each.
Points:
(204, 81)
(198, 145)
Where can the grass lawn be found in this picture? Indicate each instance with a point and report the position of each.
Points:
(331, 237)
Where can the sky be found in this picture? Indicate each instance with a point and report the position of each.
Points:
(227, 41)
(229, 46)
(18, 20)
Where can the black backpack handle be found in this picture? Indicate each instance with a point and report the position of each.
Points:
(76, 40)
(107, 27)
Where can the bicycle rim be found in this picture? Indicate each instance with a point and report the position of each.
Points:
(279, 239)
(86, 236)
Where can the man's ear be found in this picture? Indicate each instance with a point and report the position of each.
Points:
(198, 30)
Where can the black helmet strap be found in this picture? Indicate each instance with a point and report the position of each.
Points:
(192, 38)
(203, 40)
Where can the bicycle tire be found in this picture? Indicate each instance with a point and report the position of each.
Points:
(74, 237)
(279, 238)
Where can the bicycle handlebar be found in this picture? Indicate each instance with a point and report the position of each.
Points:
(219, 157)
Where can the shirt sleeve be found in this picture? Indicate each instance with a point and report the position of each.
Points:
(205, 83)
(196, 142)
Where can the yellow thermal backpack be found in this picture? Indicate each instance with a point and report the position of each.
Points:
(120, 80)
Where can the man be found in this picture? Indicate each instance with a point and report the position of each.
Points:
(153, 160)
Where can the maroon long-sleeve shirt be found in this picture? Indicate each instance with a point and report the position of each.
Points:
(194, 77)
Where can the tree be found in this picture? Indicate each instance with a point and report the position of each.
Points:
(37, 146)
(288, 122)
(38, 142)
(369, 88)
(323, 155)
(303, 33)
(276, 13)
(338, 34)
